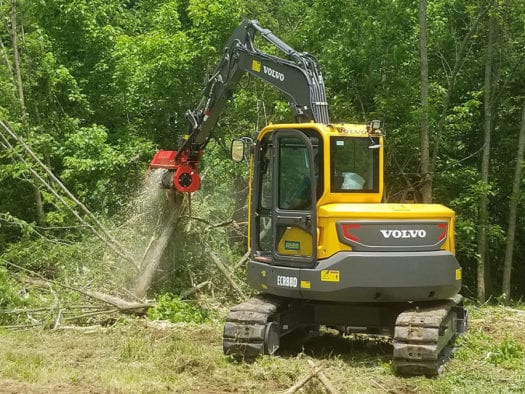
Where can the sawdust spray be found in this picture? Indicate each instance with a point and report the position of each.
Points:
(144, 216)
(140, 222)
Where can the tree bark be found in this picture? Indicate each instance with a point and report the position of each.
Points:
(458, 64)
(39, 206)
(513, 210)
(153, 256)
(483, 263)
(426, 177)
(16, 54)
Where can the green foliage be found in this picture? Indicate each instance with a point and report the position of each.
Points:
(11, 296)
(507, 354)
(105, 82)
(99, 170)
(170, 307)
(40, 255)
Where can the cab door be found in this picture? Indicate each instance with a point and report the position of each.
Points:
(293, 218)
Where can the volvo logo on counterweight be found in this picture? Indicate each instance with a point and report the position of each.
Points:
(404, 233)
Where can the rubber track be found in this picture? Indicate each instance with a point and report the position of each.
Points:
(245, 327)
(423, 338)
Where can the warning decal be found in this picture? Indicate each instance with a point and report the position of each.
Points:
(330, 276)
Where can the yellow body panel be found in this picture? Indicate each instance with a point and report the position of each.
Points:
(329, 214)
(295, 241)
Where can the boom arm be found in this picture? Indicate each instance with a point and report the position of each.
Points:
(299, 78)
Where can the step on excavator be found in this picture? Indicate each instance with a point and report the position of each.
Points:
(325, 249)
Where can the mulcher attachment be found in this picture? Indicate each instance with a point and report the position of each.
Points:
(423, 337)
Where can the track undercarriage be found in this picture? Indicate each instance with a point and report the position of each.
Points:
(252, 328)
(423, 334)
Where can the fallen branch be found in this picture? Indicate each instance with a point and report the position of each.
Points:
(314, 373)
(194, 289)
(241, 261)
(224, 270)
(119, 303)
(122, 305)
(84, 329)
(221, 224)
(322, 377)
(300, 383)
(91, 314)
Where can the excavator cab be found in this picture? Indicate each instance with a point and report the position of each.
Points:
(325, 249)
(298, 168)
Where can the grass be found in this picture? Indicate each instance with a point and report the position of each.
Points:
(140, 356)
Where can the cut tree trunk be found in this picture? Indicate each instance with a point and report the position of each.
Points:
(154, 253)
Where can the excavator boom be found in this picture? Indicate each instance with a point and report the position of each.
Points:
(298, 77)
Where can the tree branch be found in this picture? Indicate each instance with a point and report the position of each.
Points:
(120, 304)
(107, 238)
(452, 84)
(227, 274)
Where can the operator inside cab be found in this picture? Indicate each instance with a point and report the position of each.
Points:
(354, 165)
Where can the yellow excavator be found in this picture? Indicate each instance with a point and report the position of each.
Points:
(325, 250)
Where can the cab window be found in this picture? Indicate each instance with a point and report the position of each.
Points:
(354, 165)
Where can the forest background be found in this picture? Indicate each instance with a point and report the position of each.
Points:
(95, 87)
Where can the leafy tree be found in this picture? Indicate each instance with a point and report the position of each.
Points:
(106, 82)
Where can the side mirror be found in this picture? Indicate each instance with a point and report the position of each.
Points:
(237, 150)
